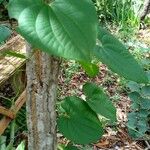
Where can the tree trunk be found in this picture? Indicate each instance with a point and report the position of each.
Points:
(42, 75)
(145, 10)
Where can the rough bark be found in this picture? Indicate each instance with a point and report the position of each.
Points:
(42, 75)
(146, 9)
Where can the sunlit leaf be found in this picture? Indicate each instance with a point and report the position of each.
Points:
(114, 54)
(21, 146)
(66, 28)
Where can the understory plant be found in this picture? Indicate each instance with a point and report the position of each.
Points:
(69, 29)
(139, 117)
(124, 14)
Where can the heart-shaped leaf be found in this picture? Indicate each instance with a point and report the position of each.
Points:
(117, 57)
(65, 28)
(99, 102)
(78, 122)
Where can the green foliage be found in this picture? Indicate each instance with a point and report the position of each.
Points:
(91, 69)
(138, 118)
(70, 147)
(81, 116)
(3, 142)
(1, 1)
(13, 53)
(120, 12)
(3, 139)
(18, 125)
(21, 120)
(114, 54)
(99, 102)
(21, 146)
(58, 28)
(44, 32)
(78, 122)
(5, 33)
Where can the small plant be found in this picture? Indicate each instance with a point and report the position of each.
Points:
(120, 12)
(139, 117)
(82, 115)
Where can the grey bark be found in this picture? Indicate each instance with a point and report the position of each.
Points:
(145, 10)
(42, 75)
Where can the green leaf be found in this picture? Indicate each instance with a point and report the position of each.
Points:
(3, 142)
(146, 91)
(117, 58)
(99, 102)
(91, 69)
(143, 114)
(148, 75)
(135, 97)
(136, 100)
(4, 33)
(133, 86)
(13, 53)
(142, 126)
(79, 123)
(145, 103)
(1, 1)
(132, 125)
(138, 123)
(132, 120)
(91, 89)
(21, 146)
(62, 28)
